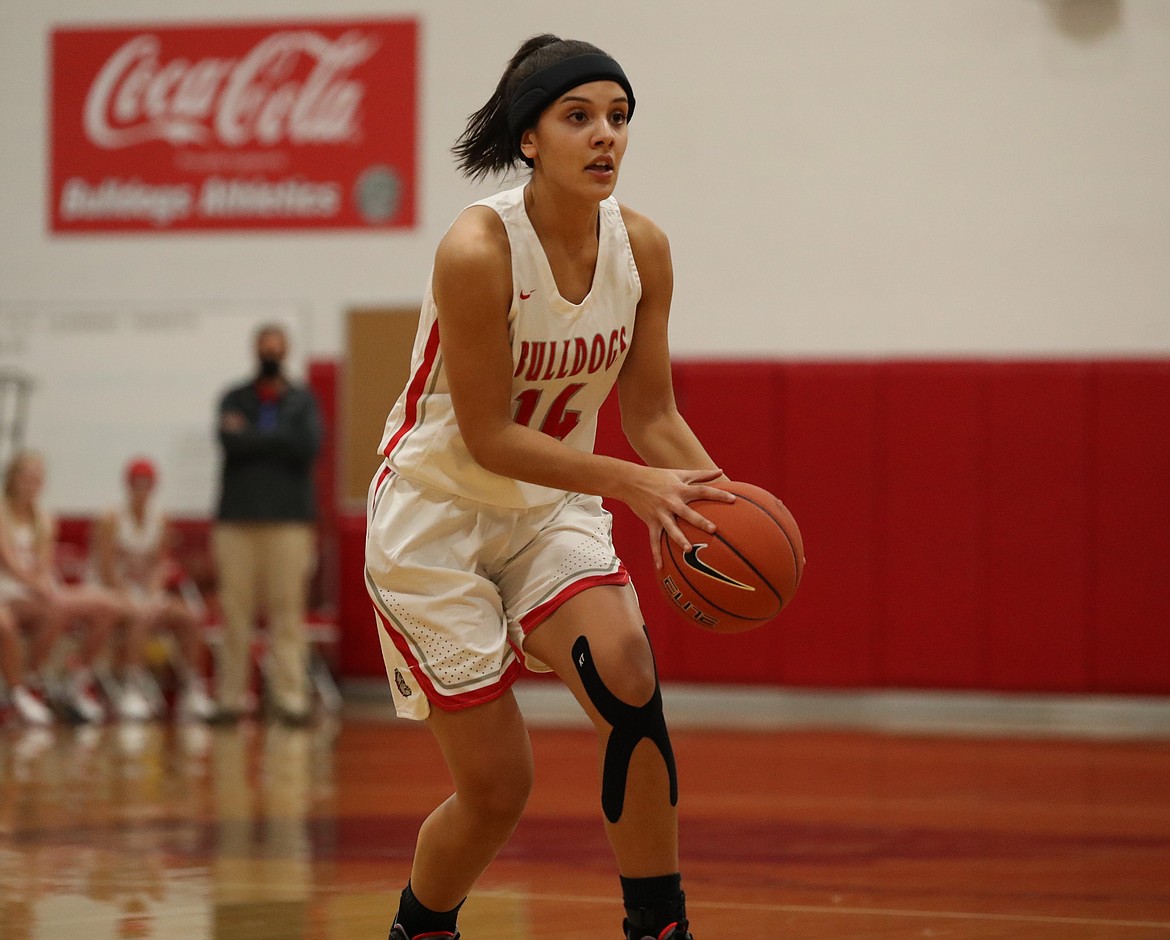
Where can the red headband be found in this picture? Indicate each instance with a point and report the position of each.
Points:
(141, 469)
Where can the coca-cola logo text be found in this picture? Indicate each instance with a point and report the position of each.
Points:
(292, 87)
(258, 126)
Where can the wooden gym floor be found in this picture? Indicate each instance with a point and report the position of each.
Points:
(266, 833)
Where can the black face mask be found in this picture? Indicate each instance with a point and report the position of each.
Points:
(269, 367)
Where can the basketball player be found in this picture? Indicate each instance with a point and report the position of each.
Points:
(27, 701)
(131, 559)
(24, 609)
(34, 594)
(488, 547)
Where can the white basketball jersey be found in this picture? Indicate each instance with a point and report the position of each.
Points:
(23, 543)
(565, 358)
(23, 538)
(137, 546)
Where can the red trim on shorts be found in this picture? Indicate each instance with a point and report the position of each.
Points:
(538, 615)
(386, 471)
(449, 703)
(415, 389)
(454, 703)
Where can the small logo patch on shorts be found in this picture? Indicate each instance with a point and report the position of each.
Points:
(403, 688)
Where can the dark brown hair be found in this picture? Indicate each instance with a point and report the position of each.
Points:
(487, 145)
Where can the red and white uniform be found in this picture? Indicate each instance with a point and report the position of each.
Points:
(461, 562)
(137, 546)
(23, 538)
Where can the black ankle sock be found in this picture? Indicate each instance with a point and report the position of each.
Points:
(653, 904)
(415, 917)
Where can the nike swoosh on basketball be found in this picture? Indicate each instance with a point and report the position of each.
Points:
(691, 557)
(525, 295)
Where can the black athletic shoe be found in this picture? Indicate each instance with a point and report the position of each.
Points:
(677, 931)
(293, 719)
(397, 933)
(226, 717)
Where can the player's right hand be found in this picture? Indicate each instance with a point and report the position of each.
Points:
(660, 498)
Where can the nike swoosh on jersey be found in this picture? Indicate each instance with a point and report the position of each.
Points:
(525, 296)
(691, 557)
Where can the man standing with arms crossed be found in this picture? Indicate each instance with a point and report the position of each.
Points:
(270, 433)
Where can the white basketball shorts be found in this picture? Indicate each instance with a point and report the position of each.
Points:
(457, 586)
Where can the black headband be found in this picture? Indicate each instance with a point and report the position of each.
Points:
(544, 86)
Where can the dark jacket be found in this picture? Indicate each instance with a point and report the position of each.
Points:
(267, 473)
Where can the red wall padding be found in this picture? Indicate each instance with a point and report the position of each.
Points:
(1000, 525)
(969, 524)
(830, 481)
(1129, 556)
(929, 525)
(1039, 537)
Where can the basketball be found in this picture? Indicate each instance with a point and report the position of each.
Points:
(742, 575)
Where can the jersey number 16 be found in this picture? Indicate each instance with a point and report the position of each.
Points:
(558, 421)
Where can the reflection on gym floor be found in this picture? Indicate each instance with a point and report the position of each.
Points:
(261, 832)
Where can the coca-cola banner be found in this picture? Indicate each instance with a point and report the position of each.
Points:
(272, 126)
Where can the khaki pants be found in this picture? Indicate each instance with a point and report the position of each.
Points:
(264, 566)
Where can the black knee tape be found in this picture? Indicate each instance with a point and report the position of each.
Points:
(630, 725)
